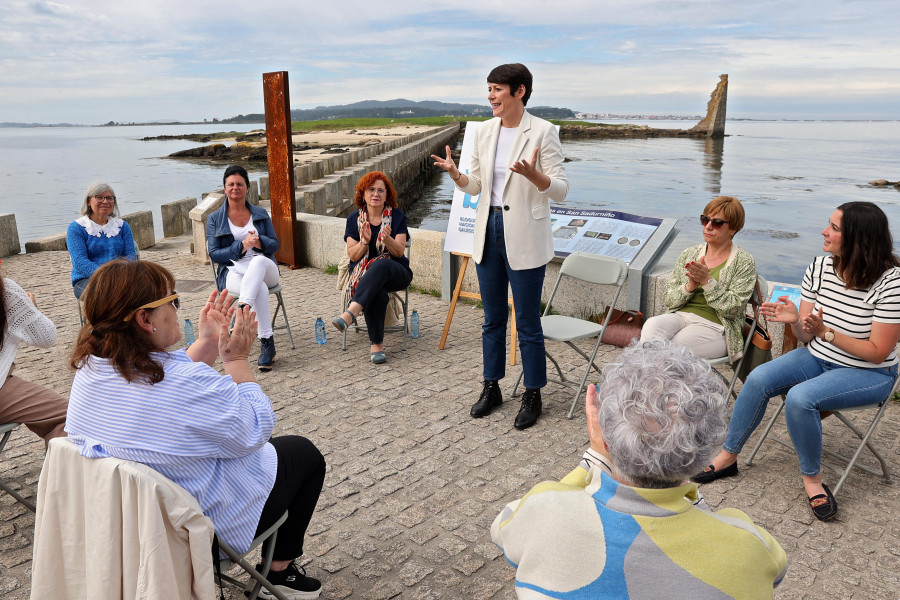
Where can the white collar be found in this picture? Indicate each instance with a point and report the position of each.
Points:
(111, 229)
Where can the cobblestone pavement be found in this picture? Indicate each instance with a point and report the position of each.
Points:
(413, 483)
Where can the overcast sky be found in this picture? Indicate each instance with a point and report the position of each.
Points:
(92, 61)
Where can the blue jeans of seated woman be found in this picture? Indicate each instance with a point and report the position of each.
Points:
(383, 276)
(495, 277)
(812, 385)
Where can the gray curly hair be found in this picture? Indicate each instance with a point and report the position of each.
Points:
(98, 188)
(661, 412)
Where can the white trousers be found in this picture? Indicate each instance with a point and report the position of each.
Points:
(252, 287)
(705, 338)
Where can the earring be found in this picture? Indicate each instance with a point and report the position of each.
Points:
(154, 330)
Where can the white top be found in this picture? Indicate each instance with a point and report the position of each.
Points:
(850, 312)
(24, 323)
(240, 234)
(501, 163)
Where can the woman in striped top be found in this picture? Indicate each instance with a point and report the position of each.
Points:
(134, 399)
(849, 317)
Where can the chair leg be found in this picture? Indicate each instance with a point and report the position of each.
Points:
(518, 381)
(587, 372)
(864, 442)
(6, 488)
(749, 460)
(287, 325)
(262, 581)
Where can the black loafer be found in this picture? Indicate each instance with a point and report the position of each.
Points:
(824, 506)
(710, 474)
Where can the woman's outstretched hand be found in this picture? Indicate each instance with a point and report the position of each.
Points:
(446, 163)
(783, 311)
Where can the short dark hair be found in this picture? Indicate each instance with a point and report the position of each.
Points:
(867, 247)
(236, 170)
(513, 75)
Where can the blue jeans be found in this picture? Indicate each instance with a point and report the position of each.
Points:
(495, 277)
(812, 385)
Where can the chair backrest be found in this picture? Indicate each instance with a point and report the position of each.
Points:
(95, 520)
(595, 268)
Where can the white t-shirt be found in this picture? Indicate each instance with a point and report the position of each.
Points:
(240, 234)
(501, 163)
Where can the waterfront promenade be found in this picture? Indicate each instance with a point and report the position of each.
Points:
(413, 483)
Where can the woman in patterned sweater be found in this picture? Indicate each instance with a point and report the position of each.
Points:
(849, 317)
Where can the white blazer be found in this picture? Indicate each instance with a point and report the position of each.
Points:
(526, 211)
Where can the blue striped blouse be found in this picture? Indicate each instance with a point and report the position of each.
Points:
(196, 427)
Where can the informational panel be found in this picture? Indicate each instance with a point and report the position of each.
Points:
(606, 232)
(461, 226)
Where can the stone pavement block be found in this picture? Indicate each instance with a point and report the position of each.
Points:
(413, 483)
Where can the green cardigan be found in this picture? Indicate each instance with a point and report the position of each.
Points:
(728, 296)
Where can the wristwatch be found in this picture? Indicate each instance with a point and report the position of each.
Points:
(828, 336)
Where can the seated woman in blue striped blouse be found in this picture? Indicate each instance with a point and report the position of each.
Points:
(134, 399)
(849, 317)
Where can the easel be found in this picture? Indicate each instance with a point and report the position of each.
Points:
(458, 293)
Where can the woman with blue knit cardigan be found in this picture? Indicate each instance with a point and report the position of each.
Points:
(98, 236)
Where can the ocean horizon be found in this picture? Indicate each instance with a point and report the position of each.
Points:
(790, 174)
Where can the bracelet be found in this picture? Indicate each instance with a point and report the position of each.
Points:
(799, 320)
(458, 178)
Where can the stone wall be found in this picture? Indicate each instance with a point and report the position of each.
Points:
(9, 235)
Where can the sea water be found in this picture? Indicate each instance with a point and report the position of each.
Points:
(790, 175)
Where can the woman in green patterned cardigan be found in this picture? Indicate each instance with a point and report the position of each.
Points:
(709, 288)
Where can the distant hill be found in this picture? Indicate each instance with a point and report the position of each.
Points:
(399, 109)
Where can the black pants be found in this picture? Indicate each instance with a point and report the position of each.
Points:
(383, 276)
(298, 482)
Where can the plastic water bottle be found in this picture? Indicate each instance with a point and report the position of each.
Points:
(188, 332)
(414, 325)
(320, 331)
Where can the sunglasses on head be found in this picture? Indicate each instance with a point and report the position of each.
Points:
(715, 222)
(156, 304)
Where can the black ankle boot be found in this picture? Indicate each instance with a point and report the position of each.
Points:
(490, 399)
(530, 411)
(266, 353)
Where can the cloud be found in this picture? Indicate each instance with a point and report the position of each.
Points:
(91, 61)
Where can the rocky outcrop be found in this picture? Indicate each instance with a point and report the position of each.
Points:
(884, 183)
(713, 124)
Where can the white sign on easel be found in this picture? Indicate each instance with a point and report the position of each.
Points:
(461, 225)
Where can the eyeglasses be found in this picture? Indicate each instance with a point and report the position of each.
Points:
(156, 304)
(378, 191)
(105, 199)
(715, 222)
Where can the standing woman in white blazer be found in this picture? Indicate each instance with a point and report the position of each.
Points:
(517, 162)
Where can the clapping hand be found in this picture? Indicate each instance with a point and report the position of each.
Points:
(236, 346)
(215, 313)
(698, 272)
(252, 241)
(365, 233)
(813, 323)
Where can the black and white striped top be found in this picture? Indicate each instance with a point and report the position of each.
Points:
(850, 312)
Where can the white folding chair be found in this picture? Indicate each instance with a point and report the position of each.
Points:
(6, 430)
(590, 268)
(400, 327)
(275, 290)
(755, 301)
(864, 440)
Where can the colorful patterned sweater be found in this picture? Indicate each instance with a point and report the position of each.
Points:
(589, 536)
